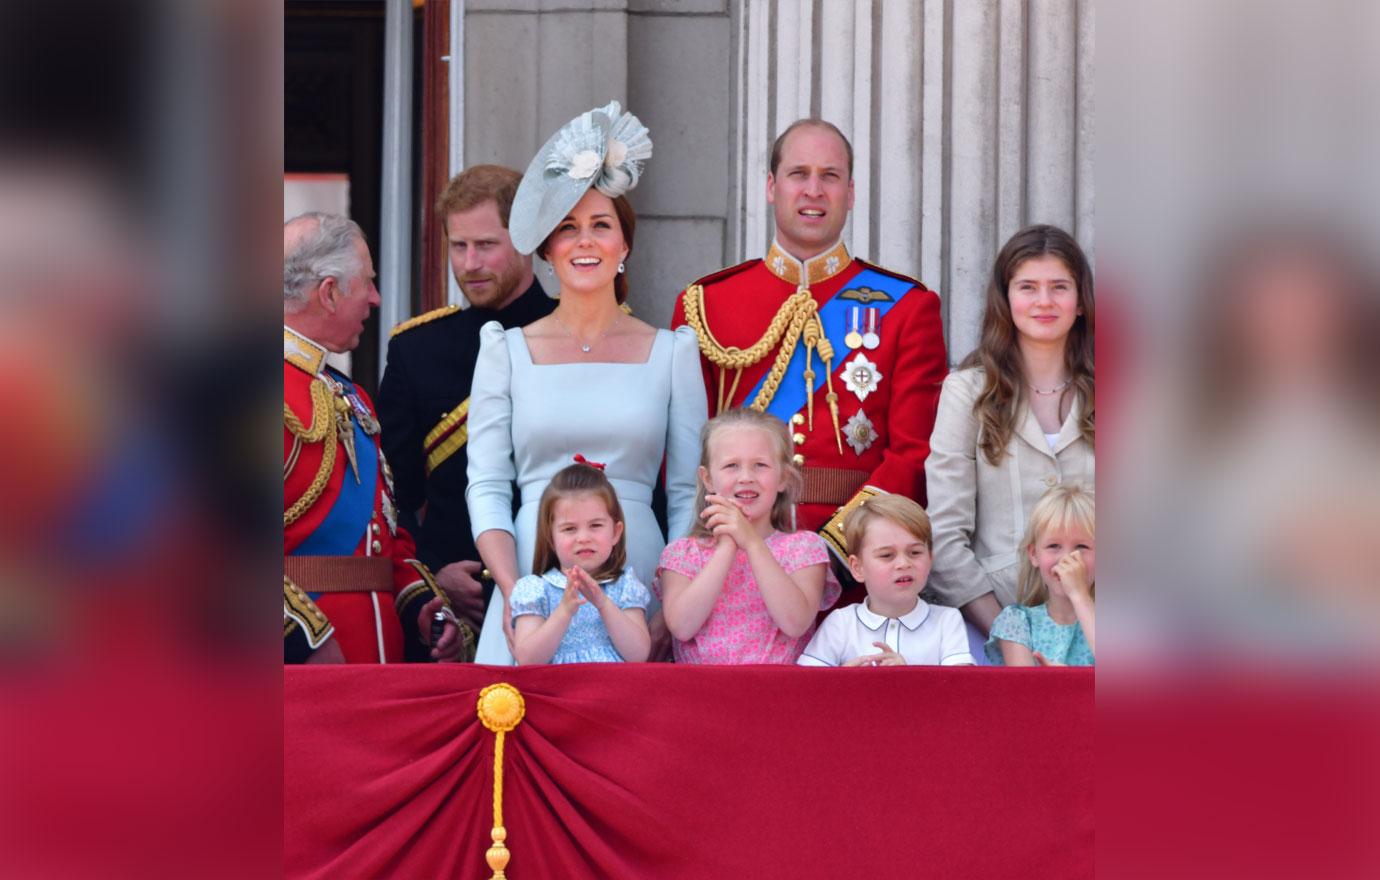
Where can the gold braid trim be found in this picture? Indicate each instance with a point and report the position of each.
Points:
(796, 320)
(323, 429)
(789, 322)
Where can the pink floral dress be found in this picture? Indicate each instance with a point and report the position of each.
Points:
(740, 629)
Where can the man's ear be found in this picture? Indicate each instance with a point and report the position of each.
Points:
(771, 188)
(327, 292)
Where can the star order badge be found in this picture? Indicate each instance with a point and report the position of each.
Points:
(859, 432)
(861, 376)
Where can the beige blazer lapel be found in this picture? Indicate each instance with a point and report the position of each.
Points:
(1028, 429)
(1069, 432)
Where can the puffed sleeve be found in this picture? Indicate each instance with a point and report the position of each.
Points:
(826, 644)
(951, 476)
(634, 594)
(1012, 625)
(491, 470)
(529, 596)
(688, 412)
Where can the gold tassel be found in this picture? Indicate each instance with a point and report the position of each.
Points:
(501, 709)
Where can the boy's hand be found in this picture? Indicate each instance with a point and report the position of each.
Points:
(725, 519)
(887, 657)
(1072, 574)
(587, 586)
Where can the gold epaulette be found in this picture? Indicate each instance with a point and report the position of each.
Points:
(833, 529)
(423, 318)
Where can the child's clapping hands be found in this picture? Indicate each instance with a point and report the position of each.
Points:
(585, 588)
(726, 521)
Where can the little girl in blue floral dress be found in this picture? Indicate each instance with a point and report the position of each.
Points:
(1052, 623)
(588, 605)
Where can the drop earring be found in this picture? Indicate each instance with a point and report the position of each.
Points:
(621, 267)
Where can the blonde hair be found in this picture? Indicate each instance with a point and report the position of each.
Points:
(895, 508)
(578, 479)
(783, 509)
(1068, 504)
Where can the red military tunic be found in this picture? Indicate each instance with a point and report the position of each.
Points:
(349, 570)
(885, 415)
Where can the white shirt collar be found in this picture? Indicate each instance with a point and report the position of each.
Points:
(911, 620)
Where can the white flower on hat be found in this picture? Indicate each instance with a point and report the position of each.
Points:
(583, 164)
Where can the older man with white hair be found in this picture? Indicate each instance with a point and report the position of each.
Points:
(351, 590)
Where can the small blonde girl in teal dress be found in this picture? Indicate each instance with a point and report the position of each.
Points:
(1052, 623)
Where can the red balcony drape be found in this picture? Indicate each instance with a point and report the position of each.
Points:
(660, 771)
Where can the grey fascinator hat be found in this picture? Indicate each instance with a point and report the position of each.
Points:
(603, 148)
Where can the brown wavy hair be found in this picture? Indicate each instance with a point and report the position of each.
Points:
(783, 509)
(578, 479)
(999, 355)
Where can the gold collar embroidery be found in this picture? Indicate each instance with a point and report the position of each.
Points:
(302, 353)
(814, 270)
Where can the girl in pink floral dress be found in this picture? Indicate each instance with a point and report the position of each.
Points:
(744, 587)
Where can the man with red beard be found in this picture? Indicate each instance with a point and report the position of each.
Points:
(425, 392)
(850, 355)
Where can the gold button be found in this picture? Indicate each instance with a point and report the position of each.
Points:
(375, 527)
(1051, 480)
(798, 458)
(797, 419)
(797, 439)
(377, 546)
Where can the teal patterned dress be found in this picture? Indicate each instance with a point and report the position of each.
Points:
(1032, 626)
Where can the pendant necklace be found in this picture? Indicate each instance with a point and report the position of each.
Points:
(585, 346)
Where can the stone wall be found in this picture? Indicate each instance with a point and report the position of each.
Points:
(969, 119)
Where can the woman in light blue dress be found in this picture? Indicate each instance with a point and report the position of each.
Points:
(588, 379)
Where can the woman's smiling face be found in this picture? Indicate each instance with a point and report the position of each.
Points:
(588, 245)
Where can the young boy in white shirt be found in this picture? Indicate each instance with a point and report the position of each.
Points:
(889, 542)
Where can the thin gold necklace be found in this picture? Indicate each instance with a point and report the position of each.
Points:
(585, 346)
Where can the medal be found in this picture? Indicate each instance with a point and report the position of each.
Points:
(860, 432)
(871, 339)
(853, 339)
(861, 376)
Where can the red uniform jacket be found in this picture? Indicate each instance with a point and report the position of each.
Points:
(890, 421)
(329, 513)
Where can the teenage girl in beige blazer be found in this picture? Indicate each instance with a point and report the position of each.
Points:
(1016, 418)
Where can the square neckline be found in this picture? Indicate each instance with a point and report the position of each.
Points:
(657, 335)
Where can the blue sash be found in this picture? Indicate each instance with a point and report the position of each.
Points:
(790, 395)
(343, 528)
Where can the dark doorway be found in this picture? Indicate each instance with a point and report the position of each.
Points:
(333, 117)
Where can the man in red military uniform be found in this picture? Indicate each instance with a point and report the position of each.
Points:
(849, 354)
(351, 590)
